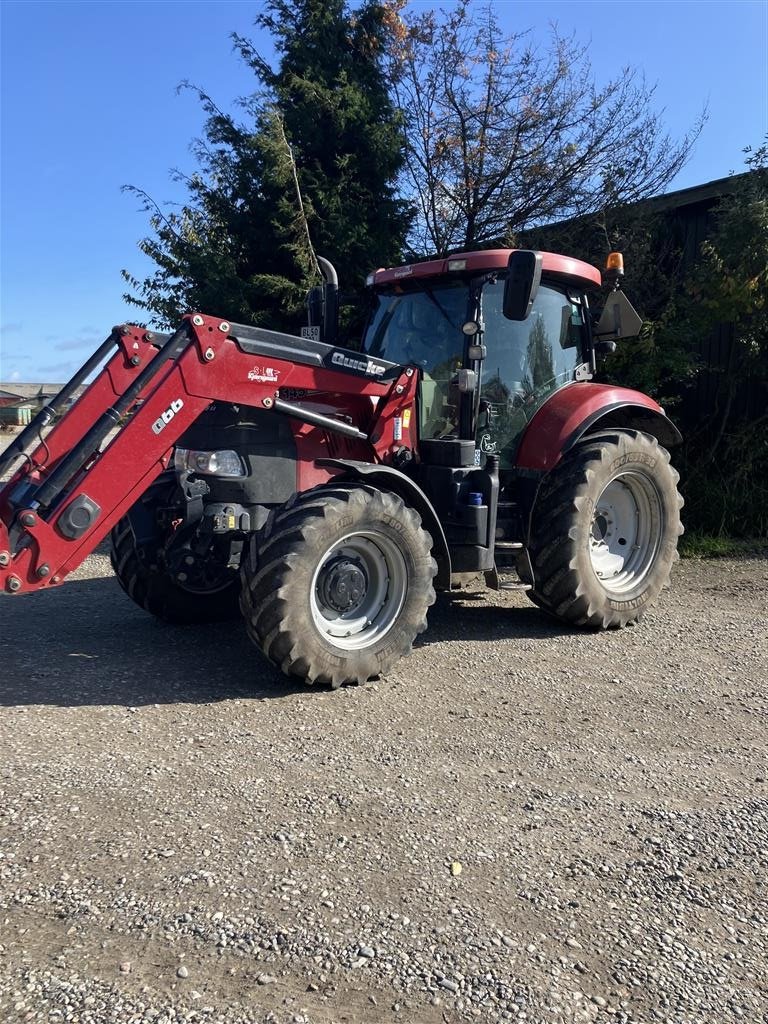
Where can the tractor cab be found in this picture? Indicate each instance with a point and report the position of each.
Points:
(496, 335)
(486, 367)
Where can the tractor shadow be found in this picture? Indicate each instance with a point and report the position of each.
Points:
(87, 644)
(470, 616)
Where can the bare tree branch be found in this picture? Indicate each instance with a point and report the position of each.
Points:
(504, 136)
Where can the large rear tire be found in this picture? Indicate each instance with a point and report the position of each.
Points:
(146, 579)
(337, 585)
(605, 530)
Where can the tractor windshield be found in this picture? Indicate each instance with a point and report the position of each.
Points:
(420, 323)
(527, 361)
(422, 327)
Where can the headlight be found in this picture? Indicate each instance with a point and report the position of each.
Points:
(222, 463)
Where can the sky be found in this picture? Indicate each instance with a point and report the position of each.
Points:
(89, 102)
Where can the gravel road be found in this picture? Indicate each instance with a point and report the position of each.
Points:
(520, 823)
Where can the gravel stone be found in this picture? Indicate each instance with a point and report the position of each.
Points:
(167, 796)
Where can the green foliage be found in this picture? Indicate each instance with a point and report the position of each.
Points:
(703, 545)
(730, 282)
(333, 94)
(726, 451)
(723, 292)
(309, 167)
(725, 478)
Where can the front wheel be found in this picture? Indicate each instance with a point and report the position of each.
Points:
(337, 586)
(180, 589)
(605, 530)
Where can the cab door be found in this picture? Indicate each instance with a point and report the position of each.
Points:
(526, 362)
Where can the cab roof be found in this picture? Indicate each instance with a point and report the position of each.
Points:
(578, 273)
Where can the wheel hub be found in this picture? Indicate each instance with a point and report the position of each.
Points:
(194, 572)
(601, 523)
(343, 585)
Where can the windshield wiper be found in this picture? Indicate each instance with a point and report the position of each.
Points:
(433, 299)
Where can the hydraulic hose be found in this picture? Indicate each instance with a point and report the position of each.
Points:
(84, 449)
(31, 433)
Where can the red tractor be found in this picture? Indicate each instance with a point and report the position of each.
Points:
(325, 493)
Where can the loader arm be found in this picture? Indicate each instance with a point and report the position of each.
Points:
(135, 348)
(77, 484)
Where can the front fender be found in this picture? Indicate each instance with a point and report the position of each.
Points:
(391, 479)
(584, 407)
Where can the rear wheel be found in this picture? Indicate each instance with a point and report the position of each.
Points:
(605, 531)
(167, 583)
(337, 585)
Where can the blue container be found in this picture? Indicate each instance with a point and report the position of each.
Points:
(475, 498)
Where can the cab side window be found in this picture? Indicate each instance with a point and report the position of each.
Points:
(526, 362)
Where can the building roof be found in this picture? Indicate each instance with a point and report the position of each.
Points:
(25, 392)
(696, 193)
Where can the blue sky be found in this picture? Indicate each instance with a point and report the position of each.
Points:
(89, 103)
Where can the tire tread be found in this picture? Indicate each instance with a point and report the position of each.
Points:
(559, 587)
(268, 598)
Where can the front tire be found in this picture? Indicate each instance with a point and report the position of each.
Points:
(337, 586)
(147, 580)
(605, 530)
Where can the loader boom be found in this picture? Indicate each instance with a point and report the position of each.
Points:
(135, 347)
(74, 488)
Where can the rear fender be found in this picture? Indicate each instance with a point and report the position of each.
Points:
(390, 479)
(584, 408)
(573, 413)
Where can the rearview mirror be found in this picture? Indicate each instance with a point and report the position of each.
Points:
(323, 306)
(619, 318)
(522, 283)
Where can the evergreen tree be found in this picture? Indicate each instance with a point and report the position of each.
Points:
(310, 168)
(539, 360)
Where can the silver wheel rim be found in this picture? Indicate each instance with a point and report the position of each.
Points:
(626, 529)
(358, 590)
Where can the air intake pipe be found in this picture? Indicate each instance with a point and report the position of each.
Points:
(331, 303)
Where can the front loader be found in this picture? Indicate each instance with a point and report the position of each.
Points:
(325, 493)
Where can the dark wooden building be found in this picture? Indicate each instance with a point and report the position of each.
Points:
(689, 216)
